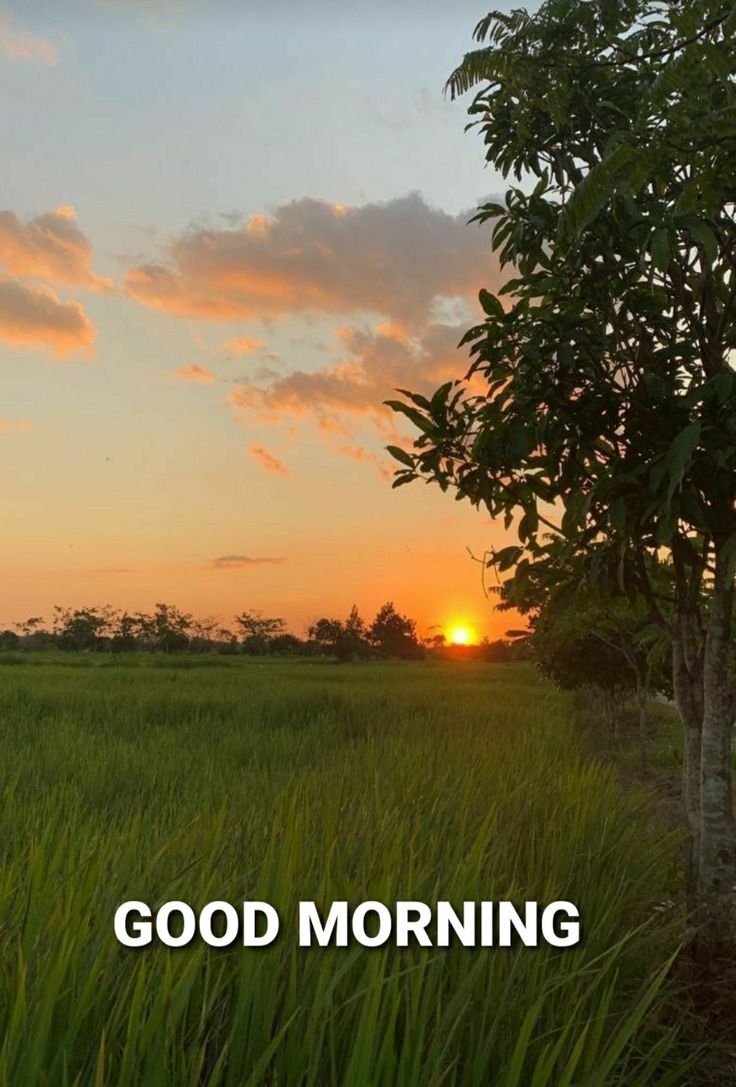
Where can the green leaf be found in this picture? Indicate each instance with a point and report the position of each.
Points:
(528, 525)
(420, 421)
(618, 514)
(490, 303)
(727, 554)
(596, 189)
(680, 454)
(660, 248)
(400, 455)
(702, 234)
(505, 558)
(439, 400)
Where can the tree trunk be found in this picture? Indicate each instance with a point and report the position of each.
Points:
(717, 846)
(687, 676)
(614, 716)
(642, 700)
(607, 703)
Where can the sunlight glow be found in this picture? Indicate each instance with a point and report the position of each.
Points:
(460, 635)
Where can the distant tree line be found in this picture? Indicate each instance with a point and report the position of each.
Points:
(168, 629)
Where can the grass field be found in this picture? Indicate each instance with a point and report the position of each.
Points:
(232, 779)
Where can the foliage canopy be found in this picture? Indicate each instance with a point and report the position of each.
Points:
(599, 410)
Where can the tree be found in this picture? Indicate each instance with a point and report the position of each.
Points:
(9, 639)
(499, 651)
(31, 626)
(325, 632)
(395, 635)
(609, 396)
(206, 634)
(126, 631)
(82, 628)
(352, 640)
(286, 645)
(344, 640)
(167, 629)
(258, 630)
(33, 635)
(605, 650)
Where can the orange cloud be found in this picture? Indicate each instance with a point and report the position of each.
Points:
(195, 373)
(267, 460)
(49, 247)
(395, 259)
(244, 345)
(35, 317)
(241, 562)
(376, 364)
(14, 424)
(20, 45)
(358, 452)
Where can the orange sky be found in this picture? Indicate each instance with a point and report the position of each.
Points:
(196, 337)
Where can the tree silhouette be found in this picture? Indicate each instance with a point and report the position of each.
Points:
(257, 631)
(345, 640)
(82, 628)
(394, 635)
(167, 629)
(608, 391)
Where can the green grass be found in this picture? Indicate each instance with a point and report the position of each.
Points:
(243, 779)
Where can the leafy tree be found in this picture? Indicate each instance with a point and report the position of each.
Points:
(601, 385)
(125, 632)
(567, 650)
(82, 628)
(606, 651)
(257, 631)
(395, 635)
(325, 632)
(354, 634)
(205, 634)
(499, 651)
(344, 640)
(9, 639)
(33, 635)
(286, 645)
(167, 629)
(227, 644)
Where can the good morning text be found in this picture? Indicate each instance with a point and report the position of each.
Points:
(372, 924)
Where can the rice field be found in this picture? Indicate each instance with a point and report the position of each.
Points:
(236, 779)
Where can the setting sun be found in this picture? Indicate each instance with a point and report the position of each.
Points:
(460, 635)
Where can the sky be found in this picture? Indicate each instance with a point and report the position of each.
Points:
(227, 233)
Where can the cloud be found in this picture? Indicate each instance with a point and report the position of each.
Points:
(35, 317)
(267, 460)
(375, 364)
(7, 425)
(20, 45)
(49, 247)
(395, 259)
(239, 562)
(359, 453)
(195, 373)
(244, 345)
(341, 399)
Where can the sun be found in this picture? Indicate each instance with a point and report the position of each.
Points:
(460, 635)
